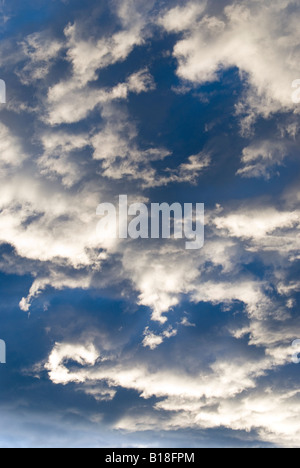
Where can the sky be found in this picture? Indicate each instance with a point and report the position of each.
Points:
(143, 343)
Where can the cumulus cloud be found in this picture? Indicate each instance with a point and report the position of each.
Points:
(261, 159)
(43, 217)
(152, 340)
(211, 399)
(234, 39)
(56, 161)
(262, 42)
(89, 56)
(41, 51)
(63, 353)
(12, 154)
(69, 103)
(257, 223)
(115, 145)
(160, 279)
(189, 171)
(73, 99)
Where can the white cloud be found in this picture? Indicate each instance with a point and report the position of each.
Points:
(186, 323)
(257, 223)
(44, 224)
(262, 42)
(228, 395)
(41, 51)
(57, 161)
(42, 216)
(182, 18)
(58, 280)
(69, 103)
(62, 353)
(160, 383)
(262, 158)
(160, 275)
(73, 99)
(89, 56)
(115, 145)
(152, 340)
(12, 154)
(189, 171)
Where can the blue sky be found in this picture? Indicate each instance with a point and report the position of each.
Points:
(123, 343)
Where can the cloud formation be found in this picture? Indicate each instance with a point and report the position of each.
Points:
(93, 113)
(262, 42)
